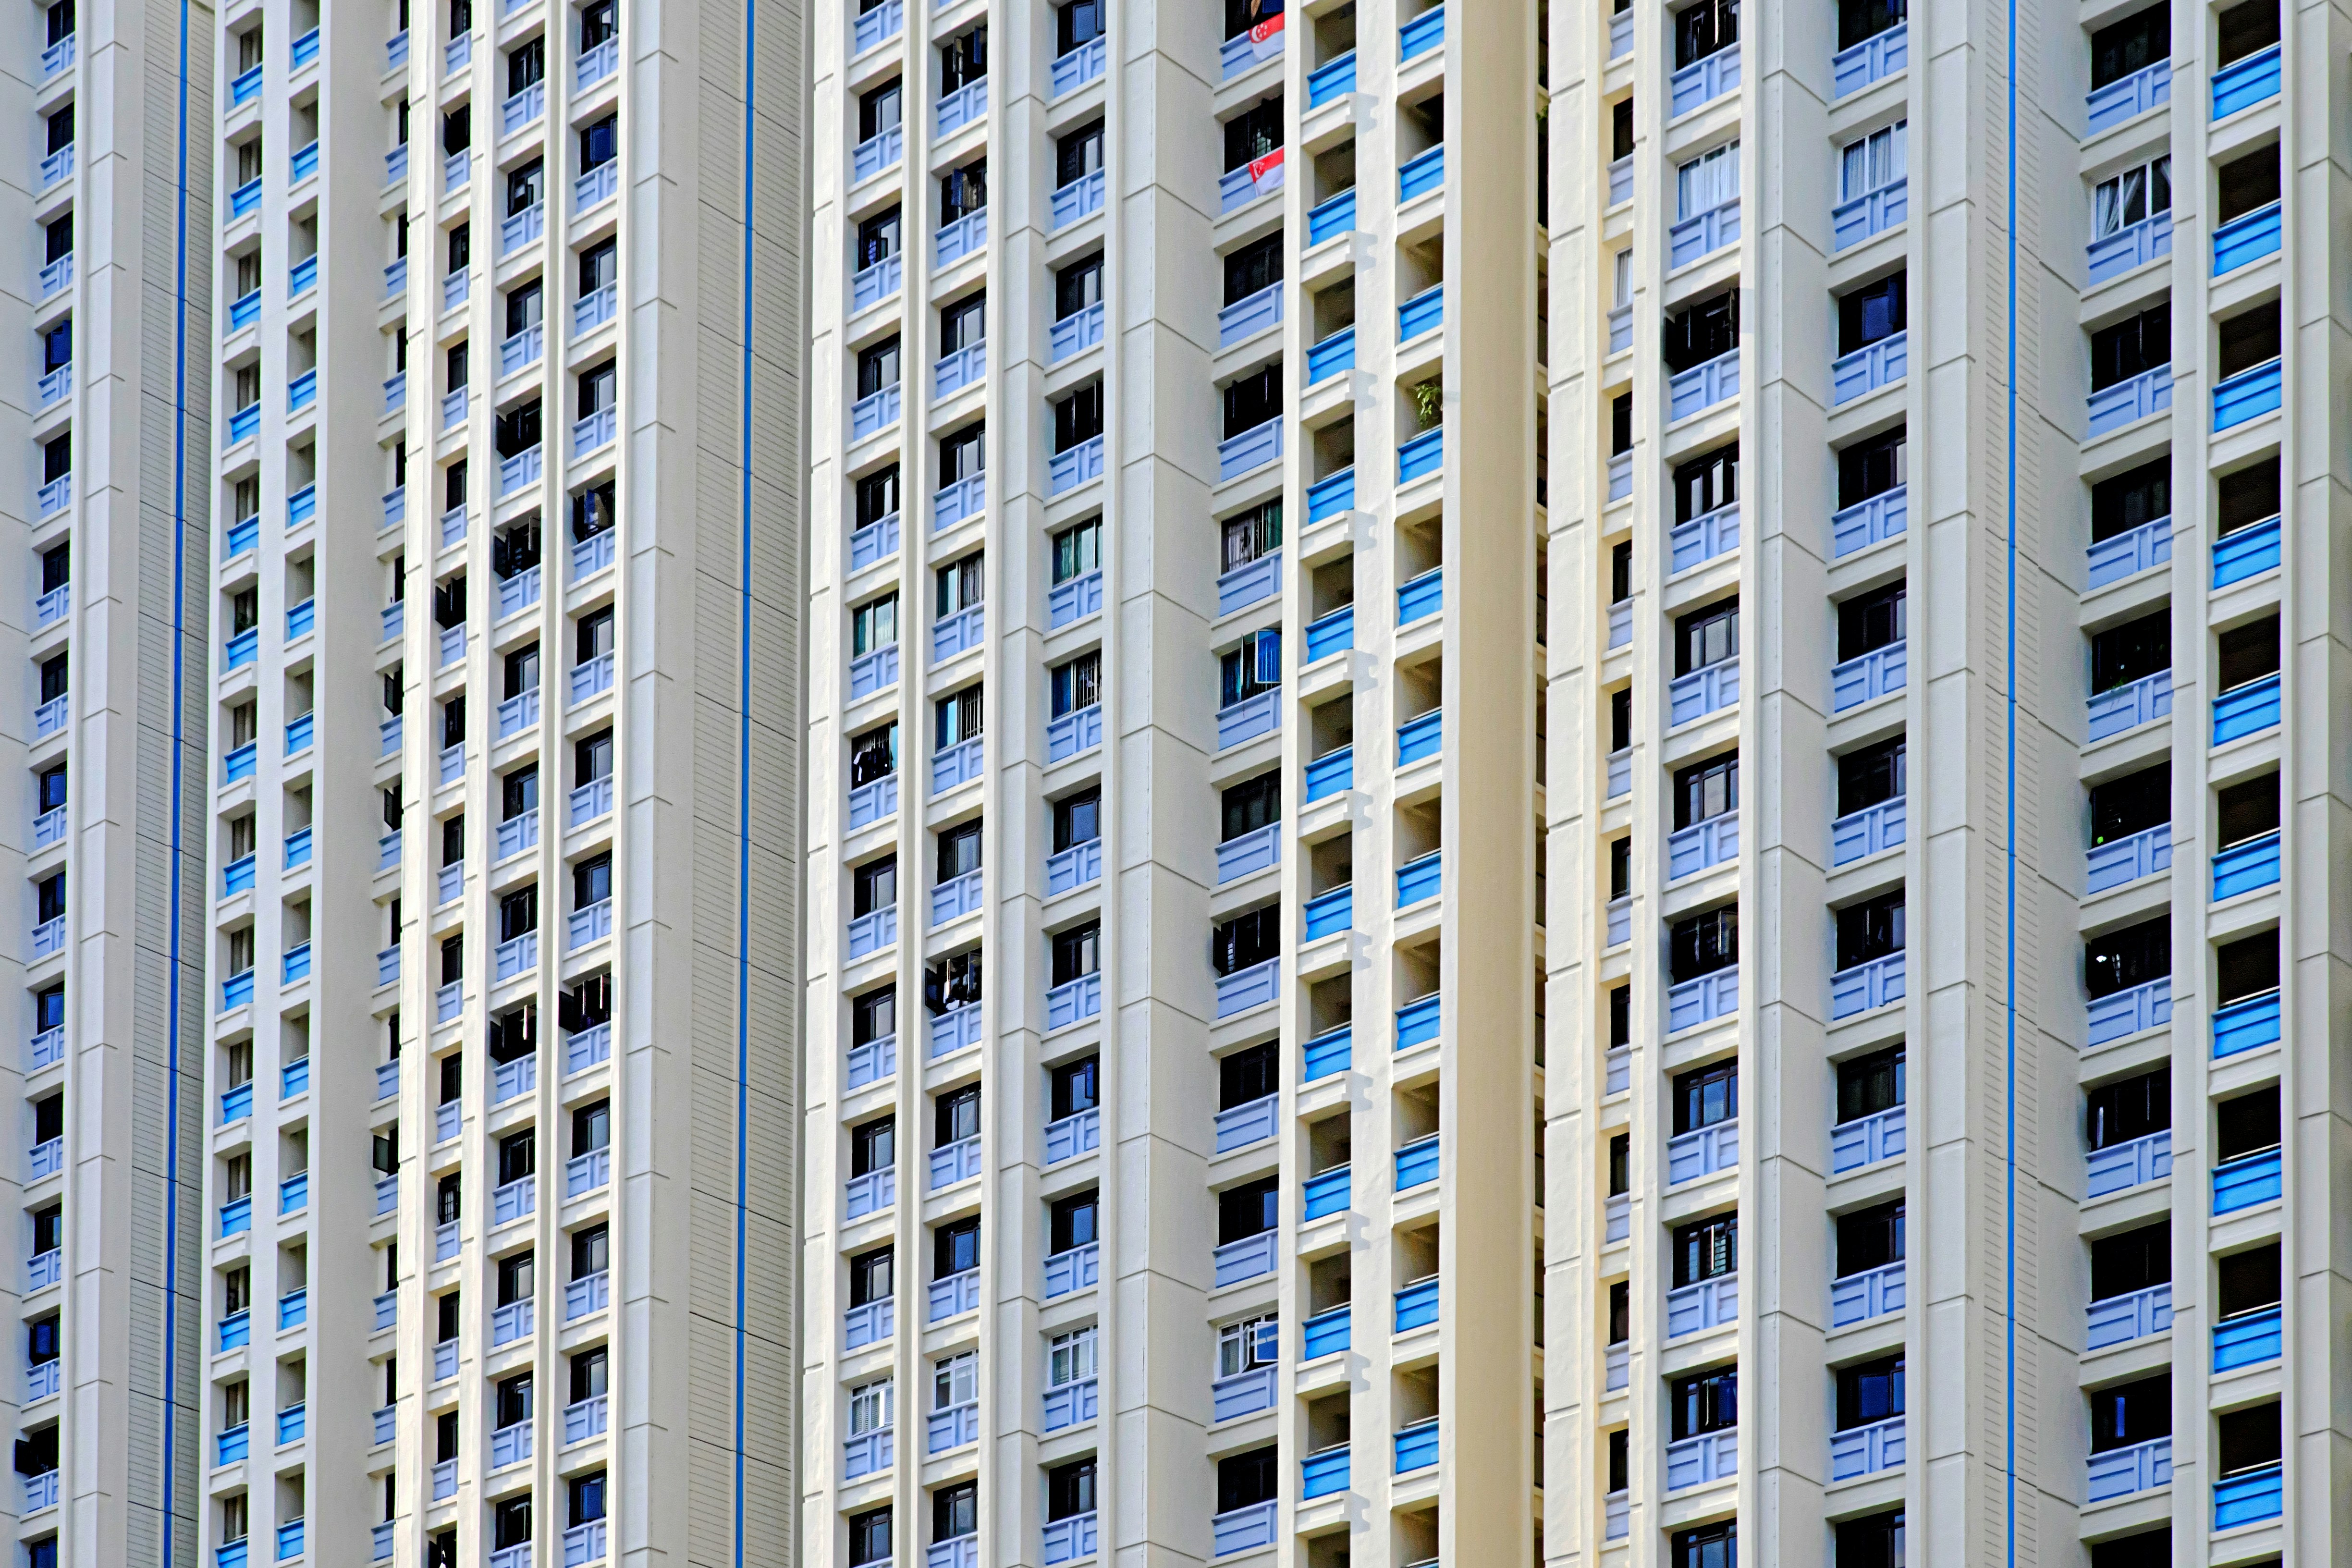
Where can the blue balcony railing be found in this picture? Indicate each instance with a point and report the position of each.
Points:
(2120, 861)
(1424, 312)
(2242, 84)
(2247, 553)
(1703, 82)
(1870, 521)
(1334, 772)
(2247, 239)
(1334, 633)
(2130, 552)
(1331, 217)
(2250, 1496)
(2249, 1339)
(1420, 737)
(1331, 79)
(2130, 1011)
(1330, 914)
(2248, 1182)
(2128, 706)
(1421, 35)
(1072, 71)
(2246, 709)
(1323, 1334)
(1873, 212)
(2133, 246)
(1416, 1446)
(1868, 677)
(1247, 854)
(1331, 495)
(1422, 175)
(2243, 867)
(2134, 398)
(1874, 59)
(1421, 455)
(1328, 1053)
(1421, 596)
(2129, 97)
(2246, 1024)
(1324, 1193)
(1417, 1163)
(1703, 386)
(1702, 538)
(1322, 1474)
(2249, 394)
(1418, 1021)
(1870, 367)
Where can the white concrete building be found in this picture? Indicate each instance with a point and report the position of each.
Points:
(106, 405)
(500, 996)
(1081, 1198)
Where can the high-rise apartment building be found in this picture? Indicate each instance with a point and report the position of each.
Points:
(1435, 431)
(106, 405)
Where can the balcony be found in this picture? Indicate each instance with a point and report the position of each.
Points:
(1703, 1152)
(1079, 866)
(960, 371)
(2246, 554)
(2130, 552)
(1334, 772)
(1703, 82)
(2135, 1315)
(2248, 396)
(877, 25)
(1868, 368)
(513, 1081)
(515, 957)
(1334, 633)
(1081, 198)
(1327, 358)
(1331, 217)
(870, 547)
(872, 1323)
(1323, 1473)
(954, 1296)
(1249, 582)
(43, 1269)
(1621, 185)
(46, 1159)
(2128, 97)
(2128, 1012)
(1703, 386)
(1331, 81)
(1244, 989)
(395, 169)
(1420, 1021)
(444, 1474)
(1417, 1445)
(2247, 709)
(1253, 1121)
(2247, 239)
(1073, 1002)
(586, 1047)
(1328, 1053)
(56, 276)
(1867, 1140)
(2246, 868)
(1074, 734)
(594, 65)
(1420, 879)
(1252, 1528)
(1238, 455)
(1331, 495)
(1865, 1450)
(956, 1030)
(960, 240)
(2134, 398)
(1066, 470)
(2250, 1496)
(515, 1200)
(2242, 84)
(232, 1445)
(1073, 70)
(1621, 338)
(1708, 690)
(2248, 1339)
(1073, 1135)
(1695, 1461)
(1874, 59)
(519, 230)
(55, 497)
(2246, 1024)
(2130, 705)
(1423, 455)
(1872, 213)
(45, 1049)
(583, 1543)
(591, 1172)
(2248, 1182)
(1870, 1294)
(956, 502)
(1074, 334)
(1712, 842)
(2121, 1166)
(517, 714)
(1879, 673)
(955, 898)
(1616, 1071)
(1710, 1303)
(1238, 187)
(1702, 538)
(236, 991)
(875, 154)
(2134, 246)
(587, 1295)
(2120, 1472)
(867, 1453)
(1421, 737)
(1078, 1268)
(1699, 236)
(54, 386)
(294, 1193)
(1417, 1163)
(956, 1426)
(1247, 1258)
(868, 934)
(1238, 723)
(1259, 849)
(964, 107)
(522, 108)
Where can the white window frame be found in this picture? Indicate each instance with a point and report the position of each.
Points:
(1707, 182)
(1883, 148)
(1237, 1344)
(873, 1408)
(955, 1380)
(1073, 1358)
(2112, 198)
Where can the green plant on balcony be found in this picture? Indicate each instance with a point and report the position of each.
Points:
(1429, 402)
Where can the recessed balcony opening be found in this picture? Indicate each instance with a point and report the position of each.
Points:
(1416, 1537)
(1330, 1006)
(1417, 972)
(1329, 1284)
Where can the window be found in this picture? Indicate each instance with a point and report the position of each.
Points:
(1707, 637)
(963, 60)
(1253, 268)
(962, 325)
(517, 430)
(877, 497)
(1078, 417)
(2247, 1440)
(958, 717)
(1247, 1479)
(1254, 132)
(2132, 956)
(1707, 482)
(958, 851)
(955, 1116)
(1702, 331)
(1868, 622)
(1620, 1314)
(1706, 790)
(872, 1407)
(1703, 29)
(955, 1249)
(599, 143)
(1249, 1075)
(1707, 1096)
(873, 625)
(963, 192)
(1703, 945)
(960, 583)
(518, 1156)
(2246, 28)
(877, 238)
(598, 23)
(526, 65)
(875, 887)
(1070, 1358)
(872, 1146)
(1070, 1222)
(877, 367)
(1251, 803)
(2248, 967)
(1079, 154)
(2131, 1261)
(1254, 666)
(513, 1399)
(585, 1496)
(525, 187)
(1253, 535)
(1707, 182)
(599, 267)
(2250, 496)
(1706, 1402)
(515, 1278)
(1077, 820)
(2125, 47)
(955, 1511)
(2248, 1124)
(1072, 1088)
(2131, 347)
(877, 110)
(592, 882)
(1868, 1085)
(1246, 1211)
(1078, 953)
(1079, 22)
(1077, 551)
(592, 1127)
(1252, 400)
(955, 1380)
(874, 1015)
(1078, 286)
(870, 1537)
(1869, 1392)
(1070, 1490)
(2131, 804)
(870, 1276)
(512, 1523)
(1871, 314)
(2133, 499)
(962, 455)
(1871, 162)
(2133, 651)
(2131, 1413)
(2249, 339)
(1860, 19)
(1077, 684)
(1876, 1542)
(519, 792)
(2249, 1282)
(952, 983)
(2248, 183)
(1621, 435)
(518, 915)
(2129, 1110)
(1706, 1249)
(1246, 941)
(2131, 196)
